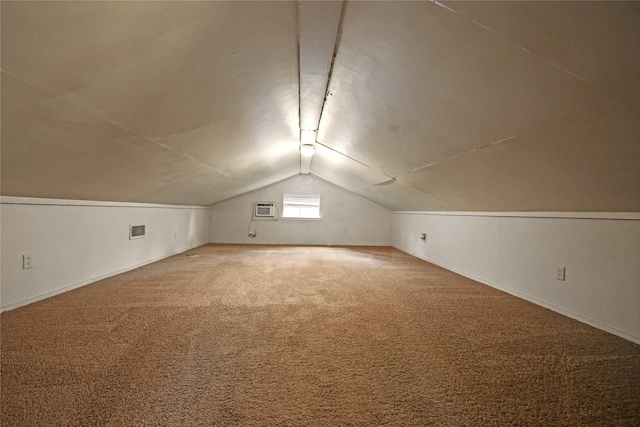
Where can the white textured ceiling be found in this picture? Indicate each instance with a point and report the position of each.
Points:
(485, 106)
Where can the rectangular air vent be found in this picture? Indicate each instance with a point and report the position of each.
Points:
(265, 209)
(136, 232)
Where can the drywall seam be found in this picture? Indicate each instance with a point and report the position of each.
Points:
(89, 281)
(14, 200)
(626, 216)
(254, 191)
(96, 114)
(362, 164)
(428, 165)
(568, 313)
(351, 192)
(513, 42)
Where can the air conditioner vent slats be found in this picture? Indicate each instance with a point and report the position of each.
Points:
(267, 209)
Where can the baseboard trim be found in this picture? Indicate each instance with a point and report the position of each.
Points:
(325, 245)
(64, 289)
(598, 325)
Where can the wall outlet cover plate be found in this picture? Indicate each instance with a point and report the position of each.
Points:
(27, 262)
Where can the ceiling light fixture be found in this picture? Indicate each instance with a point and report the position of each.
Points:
(307, 150)
(307, 142)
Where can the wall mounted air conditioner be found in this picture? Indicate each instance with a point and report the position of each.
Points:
(265, 209)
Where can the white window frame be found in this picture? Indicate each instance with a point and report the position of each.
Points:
(301, 206)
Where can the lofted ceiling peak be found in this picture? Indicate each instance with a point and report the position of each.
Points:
(486, 106)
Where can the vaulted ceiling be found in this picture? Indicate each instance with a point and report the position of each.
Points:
(483, 106)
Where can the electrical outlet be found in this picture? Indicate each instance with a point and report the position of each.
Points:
(560, 273)
(27, 262)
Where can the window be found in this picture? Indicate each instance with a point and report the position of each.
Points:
(301, 206)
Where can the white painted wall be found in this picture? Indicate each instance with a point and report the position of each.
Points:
(518, 253)
(74, 243)
(347, 219)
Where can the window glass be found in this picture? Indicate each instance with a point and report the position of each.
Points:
(301, 206)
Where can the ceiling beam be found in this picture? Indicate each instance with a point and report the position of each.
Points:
(318, 25)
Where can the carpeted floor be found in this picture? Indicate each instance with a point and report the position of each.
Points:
(307, 336)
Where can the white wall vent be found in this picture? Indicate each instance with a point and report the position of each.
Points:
(265, 209)
(137, 231)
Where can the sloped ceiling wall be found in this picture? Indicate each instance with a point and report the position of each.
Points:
(481, 106)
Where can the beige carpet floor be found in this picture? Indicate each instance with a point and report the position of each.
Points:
(307, 336)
